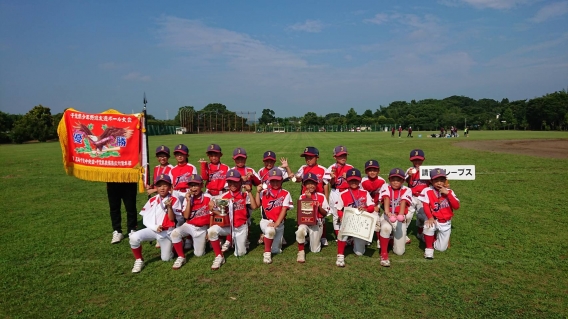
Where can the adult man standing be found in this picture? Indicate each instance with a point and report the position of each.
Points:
(125, 192)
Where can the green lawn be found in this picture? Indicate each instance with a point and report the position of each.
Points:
(508, 255)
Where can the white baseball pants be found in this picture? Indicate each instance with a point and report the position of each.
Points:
(398, 230)
(239, 236)
(315, 232)
(147, 234)
(273, 233)
(197, 233)
(442, 232)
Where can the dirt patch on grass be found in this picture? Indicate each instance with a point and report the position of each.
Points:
(555, 148)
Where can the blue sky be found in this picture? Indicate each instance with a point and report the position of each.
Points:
(288, 56)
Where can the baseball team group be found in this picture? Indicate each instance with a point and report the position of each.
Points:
(190, 208)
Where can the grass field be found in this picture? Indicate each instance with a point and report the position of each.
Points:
(508, 255)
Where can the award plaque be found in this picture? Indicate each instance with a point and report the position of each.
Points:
(307, 212)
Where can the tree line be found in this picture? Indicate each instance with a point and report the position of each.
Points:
(547, 112)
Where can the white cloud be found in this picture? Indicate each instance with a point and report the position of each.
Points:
(550, 11)
(491, 4)
(312, 26)
(205, 43)
(379, 18)
(135, 76)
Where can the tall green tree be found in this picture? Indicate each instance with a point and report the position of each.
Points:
(37, 124)
(266, 117)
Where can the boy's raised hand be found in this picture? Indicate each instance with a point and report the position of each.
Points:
(284, 162)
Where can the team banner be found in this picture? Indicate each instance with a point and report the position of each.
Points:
(105, 147)
(453, 172)
(358, 224)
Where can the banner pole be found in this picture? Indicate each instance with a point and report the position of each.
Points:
(145, 132)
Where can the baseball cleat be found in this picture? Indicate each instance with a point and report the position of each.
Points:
(157, 244)
(226, 246)
(138, 265)
(301, 256)
(429, 253)
(385, 262)
(188, 244)
(219, 260)
(340, 262)
(407, 240)
(324, 242)
(180, 261)
(116, 237)
(267, 258)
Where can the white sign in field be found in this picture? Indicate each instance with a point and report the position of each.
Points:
(358, 224)
(453, 172)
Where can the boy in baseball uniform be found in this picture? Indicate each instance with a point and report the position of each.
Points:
(164, 167)
(311, 155)
(354, 197)
(315, 232)
(181, 172)
(372, 183)
(439, 205)
(269, 160)
(237, 232)
(337, 180)
(159, 217)
(213, 172)
(197, 213)
(416, 185)
(274, 201)
(395, 198)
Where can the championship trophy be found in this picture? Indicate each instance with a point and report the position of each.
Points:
(307, 212)
(220, 216)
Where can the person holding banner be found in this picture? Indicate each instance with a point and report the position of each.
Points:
(315, 232)
(125, 192)
(416, 185)
(275, 202)
(354, 197)
(395, 198)
(238, 229)
(439, 205)
(159, 217)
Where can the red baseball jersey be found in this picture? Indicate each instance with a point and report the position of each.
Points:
(181, 174)
(154, 213)
(317, 170)
(254, 179)
(272, 202)
(339, 182)
(416, 184)
(354, 198)
(200, 213)
(373, 186)
(214, 174)
(321, 199)
(396, 196)
(439, 206)
(240, 201)
(166, 170)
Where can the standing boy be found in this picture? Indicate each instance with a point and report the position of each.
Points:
(163, 155)
(337, 180)
(372, 183)
(181, 172)
(416, 186)
(214, 172)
